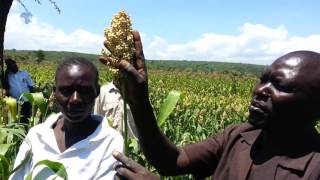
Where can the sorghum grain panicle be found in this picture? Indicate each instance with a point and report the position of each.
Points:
(119, 41)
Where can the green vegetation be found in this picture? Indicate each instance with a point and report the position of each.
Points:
(167, 65)
(209, 100)
(206, 66)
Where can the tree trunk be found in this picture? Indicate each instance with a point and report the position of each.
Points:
(5, 6)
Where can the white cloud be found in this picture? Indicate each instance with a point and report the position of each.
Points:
(37, 35)
(255, 43)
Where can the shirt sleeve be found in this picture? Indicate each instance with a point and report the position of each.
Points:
(204, 156)
(29, 80)
(26, 168)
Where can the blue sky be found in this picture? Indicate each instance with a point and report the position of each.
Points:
(247, 31)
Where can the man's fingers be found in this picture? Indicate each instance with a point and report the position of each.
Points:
(139, 74)
(104, 60)
(121, 157)
(124, 65)
(136, 36)
(139, 61)
(123, 171)
(128, 163)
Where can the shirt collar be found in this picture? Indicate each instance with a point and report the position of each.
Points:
(250, 136)
(299, 163)
(101, 132)
(113, 88)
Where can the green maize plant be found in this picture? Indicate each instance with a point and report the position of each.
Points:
(12, 107)
(38, 102)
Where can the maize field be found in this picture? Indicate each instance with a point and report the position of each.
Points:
(208, 103)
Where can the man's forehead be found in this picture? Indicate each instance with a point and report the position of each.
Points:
(293, 62)
(76, 71)
(75, 68)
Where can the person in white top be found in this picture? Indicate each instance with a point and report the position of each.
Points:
(16, 83)
(110, 104)
(82, 142)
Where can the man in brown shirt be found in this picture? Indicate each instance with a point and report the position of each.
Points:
(278, 142)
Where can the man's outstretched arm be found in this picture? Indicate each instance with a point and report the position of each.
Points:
(158, 149)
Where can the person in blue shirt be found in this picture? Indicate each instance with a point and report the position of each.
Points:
(16, 83)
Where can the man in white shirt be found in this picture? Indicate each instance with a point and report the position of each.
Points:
(110, 104)
(16, 83)
(82, 142)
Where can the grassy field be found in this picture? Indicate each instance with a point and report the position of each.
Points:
(210, 100)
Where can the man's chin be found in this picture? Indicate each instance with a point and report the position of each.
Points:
(257, 123)
(75, 118)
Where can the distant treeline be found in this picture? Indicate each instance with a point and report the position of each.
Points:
(168, 65)
(206, 66)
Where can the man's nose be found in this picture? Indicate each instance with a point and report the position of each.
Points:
(75, 98)
(263, 89)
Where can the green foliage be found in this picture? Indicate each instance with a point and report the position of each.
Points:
(56, 167)
(166, 65)
(40, 56)
(168, 106)
(10, 137)
(38, 101)
(12, 133)
(12, 107)
(209, 101)
(206, 66)
(4, 167)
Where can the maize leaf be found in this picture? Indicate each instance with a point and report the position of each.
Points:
(168, 106)
(56, 167)
(36, 99)
(4, 167)
(12, 104)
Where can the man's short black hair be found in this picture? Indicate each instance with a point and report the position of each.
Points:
(78, 61)
(9, 61)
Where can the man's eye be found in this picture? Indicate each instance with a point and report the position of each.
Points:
(285, 88)
(86, 91)
(66, 91)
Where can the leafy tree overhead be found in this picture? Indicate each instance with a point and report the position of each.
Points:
(5, 6)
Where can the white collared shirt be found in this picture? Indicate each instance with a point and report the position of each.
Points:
(109, 103)
(90, 158)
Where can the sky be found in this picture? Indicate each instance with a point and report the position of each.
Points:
(242, 31)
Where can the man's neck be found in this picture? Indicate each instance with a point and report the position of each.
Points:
(68, 133)
(74, 127)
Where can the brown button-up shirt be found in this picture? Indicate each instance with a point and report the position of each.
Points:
(228, 156)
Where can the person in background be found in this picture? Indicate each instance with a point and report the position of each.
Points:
(17, 82)
(110, 104)
(81, 141)
(279, 141)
